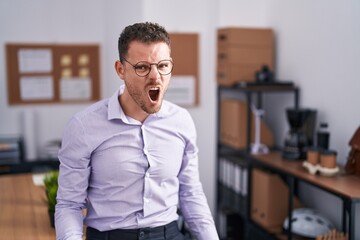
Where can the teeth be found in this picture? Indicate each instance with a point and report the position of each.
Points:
(154, 88)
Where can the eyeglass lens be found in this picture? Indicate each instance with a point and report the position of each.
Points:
(164, 67)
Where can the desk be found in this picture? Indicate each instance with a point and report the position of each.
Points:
(31, 166)
(344, 186)
(23, 209)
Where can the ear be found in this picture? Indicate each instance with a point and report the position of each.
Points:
(119, 68)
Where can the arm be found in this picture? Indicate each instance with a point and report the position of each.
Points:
(193, 202)
(73, 180)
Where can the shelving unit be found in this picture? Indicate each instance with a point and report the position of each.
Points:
(228, 198)
(237, 205)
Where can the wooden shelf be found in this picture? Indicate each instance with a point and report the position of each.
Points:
(344, 185)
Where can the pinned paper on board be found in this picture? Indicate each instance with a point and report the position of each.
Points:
(35, 60)
(181, 90)
(75, 88)
(36, 88)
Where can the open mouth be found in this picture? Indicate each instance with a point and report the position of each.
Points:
(154, 93)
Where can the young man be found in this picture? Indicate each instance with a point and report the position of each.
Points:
(132, 160)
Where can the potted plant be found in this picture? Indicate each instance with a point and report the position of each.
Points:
(51, 187)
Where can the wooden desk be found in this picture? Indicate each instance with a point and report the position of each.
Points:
(344, 186)
(23, 209)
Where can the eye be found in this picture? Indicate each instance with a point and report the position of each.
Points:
(164, 64)
(142, 67)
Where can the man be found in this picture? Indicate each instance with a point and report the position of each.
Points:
(132, 160)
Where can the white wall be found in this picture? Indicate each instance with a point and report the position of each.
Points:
(318, 48)
(117, 15)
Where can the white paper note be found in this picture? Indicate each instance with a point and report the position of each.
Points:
(35, 60)
(181, 90)
(36, 88)
(76, 88)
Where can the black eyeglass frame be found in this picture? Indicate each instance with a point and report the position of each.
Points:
(149, 64)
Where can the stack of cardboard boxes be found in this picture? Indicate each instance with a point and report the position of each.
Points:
(234, 127)
(241, 53)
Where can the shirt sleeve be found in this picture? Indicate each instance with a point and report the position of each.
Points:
(193, 202)
(74, 157)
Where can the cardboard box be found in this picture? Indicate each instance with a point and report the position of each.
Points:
(245, 36)
(242, 52)
(246, 56)
(228, 74)
(234, 129)
(269, 199)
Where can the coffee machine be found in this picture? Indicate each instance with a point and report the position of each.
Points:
(301, 133)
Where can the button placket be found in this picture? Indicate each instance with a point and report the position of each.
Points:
(144, 140)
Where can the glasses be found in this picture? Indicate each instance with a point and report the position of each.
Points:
(142, 68)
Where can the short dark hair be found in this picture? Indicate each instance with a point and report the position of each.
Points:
(143, 32)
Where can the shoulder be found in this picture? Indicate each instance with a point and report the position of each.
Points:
(97, 108)
(90, 114)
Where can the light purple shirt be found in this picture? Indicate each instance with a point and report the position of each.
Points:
(130, 174)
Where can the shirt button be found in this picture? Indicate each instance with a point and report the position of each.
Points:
(146, 200)
(145, 151)
(147, 174)
(141, 234)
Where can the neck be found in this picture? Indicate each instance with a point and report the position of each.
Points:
(131, 109)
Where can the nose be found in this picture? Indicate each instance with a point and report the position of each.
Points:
(154, 72)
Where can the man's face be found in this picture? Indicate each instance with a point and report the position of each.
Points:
(147, 92)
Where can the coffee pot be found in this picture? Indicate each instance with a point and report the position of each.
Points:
(301, 133)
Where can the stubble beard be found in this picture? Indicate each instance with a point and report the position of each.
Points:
(141, 99)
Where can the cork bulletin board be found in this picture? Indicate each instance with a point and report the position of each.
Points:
(184, 84)
(52, 73)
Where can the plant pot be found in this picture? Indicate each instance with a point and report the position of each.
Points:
(52, 218)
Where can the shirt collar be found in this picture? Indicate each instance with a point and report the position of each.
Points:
(115, 110)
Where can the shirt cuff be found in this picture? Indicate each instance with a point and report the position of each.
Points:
(208, 234)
